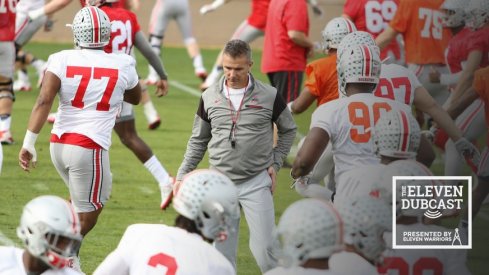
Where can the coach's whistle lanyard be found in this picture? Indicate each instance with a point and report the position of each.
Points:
(234, 116)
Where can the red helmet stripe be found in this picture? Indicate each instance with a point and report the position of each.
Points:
(348, 25)
(96, 24)
(404, 131)
(367, 61)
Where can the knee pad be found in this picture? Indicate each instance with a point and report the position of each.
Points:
(155, 40)
(6, 90)
(189, 41)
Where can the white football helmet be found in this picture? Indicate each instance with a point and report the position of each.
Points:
(359, 64)
(454, 13)
(335, 31)
(477, 13)
(308, 229)
(209, 198)
(50, 230)
(397, 135)
(355, 39)
(366, 220)
(91, 28)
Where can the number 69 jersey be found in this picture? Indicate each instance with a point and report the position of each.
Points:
(161, 249)
(349, 123)
(93, 84)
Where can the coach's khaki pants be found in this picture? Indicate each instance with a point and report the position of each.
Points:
(256, 201)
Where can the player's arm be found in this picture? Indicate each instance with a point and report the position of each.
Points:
(314, 145)
(386, 37)
(300, 38)
(455, 108)
(49, 8)
(286, 130)
(154, 60)
(465, 81)
(303, 102)
(113, 264)
(425, 103)
(50, 86)
(212, 6)
(133, 95)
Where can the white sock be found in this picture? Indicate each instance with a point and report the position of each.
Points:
(213, 77)
(5, 122)
(157, 170)
(22, 76)
(198, 64)
(38, 65)
(150, 111)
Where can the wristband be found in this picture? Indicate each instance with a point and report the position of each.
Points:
(29, 139)
(37, 13)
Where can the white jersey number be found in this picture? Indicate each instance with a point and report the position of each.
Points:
(4, 3)
(432, 23)
(86, 75)
(378, 14)
(121, 37)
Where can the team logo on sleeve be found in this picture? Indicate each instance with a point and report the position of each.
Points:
(425, 200)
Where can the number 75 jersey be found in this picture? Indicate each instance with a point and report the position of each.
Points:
(349, 123)
(93, 84)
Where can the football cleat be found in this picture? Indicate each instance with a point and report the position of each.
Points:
(202, 76)
(155, 124)
(21, 86)
(6, 137)
(51, 118)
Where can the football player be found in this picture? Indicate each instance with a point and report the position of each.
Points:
(309, 232)
(365, 222)
(91, 85)
(373, 16)
(205, 203)
(50, 231)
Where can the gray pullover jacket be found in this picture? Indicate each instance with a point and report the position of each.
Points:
(262, 106)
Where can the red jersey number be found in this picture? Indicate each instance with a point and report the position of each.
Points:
(420, 266)
(389, 88)
(165, 260)
(86, 75)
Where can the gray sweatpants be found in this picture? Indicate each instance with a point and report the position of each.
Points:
(256, 201)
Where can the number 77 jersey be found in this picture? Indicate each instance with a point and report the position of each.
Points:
(349, 123)
(93, 84)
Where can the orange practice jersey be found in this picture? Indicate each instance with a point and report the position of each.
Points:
(425, 39)
(322, 79)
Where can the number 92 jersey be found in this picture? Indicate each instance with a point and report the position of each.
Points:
(373, 16)
(124, 26)
(92, 90)
(349, 123)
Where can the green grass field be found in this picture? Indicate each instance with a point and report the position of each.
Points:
(135, 195)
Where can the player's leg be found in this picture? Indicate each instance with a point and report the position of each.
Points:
(88, 178)
(257, 202)
(160, 16)
(126, 130)
(25, 29)
(244, 32)
(184, 23)
(287, 83)
(7, 97)
(150, 112)
(472, 124)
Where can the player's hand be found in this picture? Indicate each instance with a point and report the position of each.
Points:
(176, 187)
(317, 11)
(206, 9)
(273, 175)
(434, 75)
(26, 157)
(161, 88)
(310, 52)
(469, 152)
(48, 26)
(430, 134)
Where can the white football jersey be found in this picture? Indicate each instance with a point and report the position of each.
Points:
(93, 84)
(424, 261)
(349, 123)
(25, 6)
(351, 263)
(397, 83)
(295, 270)
(11, 263)
(161, 249)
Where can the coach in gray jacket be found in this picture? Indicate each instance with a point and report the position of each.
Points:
(234, 122)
